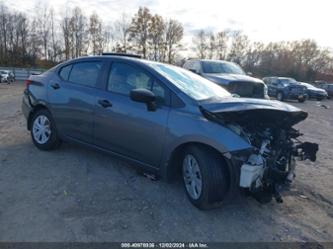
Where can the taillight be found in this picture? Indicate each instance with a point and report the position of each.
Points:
(27, 83)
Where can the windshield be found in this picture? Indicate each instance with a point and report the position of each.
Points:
(190, 83)
(288, 81)
(221, 67)
(309, 86)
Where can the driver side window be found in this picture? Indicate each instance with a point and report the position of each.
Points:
(123, 78)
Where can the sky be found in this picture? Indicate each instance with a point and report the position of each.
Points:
(261, 20)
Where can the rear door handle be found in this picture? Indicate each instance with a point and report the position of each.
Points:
(104, 103)
(55, 86)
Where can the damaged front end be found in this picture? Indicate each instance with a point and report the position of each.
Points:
(268, 127)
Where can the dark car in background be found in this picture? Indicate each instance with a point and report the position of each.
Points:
(230, 76)
(283, 88)
(328, 87)
(314, 92)
(7, 76)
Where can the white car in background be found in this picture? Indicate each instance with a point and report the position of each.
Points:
(7, 76)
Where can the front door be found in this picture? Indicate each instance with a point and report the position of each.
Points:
(127, 127)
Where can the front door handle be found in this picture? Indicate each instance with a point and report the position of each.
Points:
(55, 86)
(104, 103)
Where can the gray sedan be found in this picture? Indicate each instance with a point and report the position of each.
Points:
(169, 122)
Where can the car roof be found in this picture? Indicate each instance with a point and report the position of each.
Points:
(118, 57)
(280, 78)
(210, 60)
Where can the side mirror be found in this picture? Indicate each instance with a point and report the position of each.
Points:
(249, 73)
(144, 96)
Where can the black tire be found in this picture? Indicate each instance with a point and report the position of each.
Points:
(301, 100)
(215, 177)
(279, 96)
(53, 141)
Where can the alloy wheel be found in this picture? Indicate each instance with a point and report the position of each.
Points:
(192, 176)
(41, 129)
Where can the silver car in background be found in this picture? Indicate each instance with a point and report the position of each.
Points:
(7, 76)
(230, 76)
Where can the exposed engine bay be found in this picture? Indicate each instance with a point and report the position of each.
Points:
(271, 164)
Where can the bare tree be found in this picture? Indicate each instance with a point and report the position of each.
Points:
(55, 49)
(109, 37)
(200, 42)
(78, 28)
(75, 34)
(4, 16)
(240, 43)
(174, 34)
(211, 46)
(66, 32)
(139, 30)
(156, 35)
(35, 42)
(121, 30)
(221, 44)
(96, 34)
(44, 29)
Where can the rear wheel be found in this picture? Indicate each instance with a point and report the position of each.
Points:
(205, 176)
(43, 132)
(279, 96)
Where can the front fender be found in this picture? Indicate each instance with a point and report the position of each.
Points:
(193, 128)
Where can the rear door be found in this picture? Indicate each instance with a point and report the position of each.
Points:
(127, 127)
(72, 97)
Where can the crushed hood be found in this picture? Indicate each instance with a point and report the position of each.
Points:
(248, 110)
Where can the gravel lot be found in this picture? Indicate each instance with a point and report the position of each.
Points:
(77, 194)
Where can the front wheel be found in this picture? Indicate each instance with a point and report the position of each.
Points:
(301, 100)
(43, 131)
(205, 176)
(279, 96)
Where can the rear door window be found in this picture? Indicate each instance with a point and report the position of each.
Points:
(85, 73)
